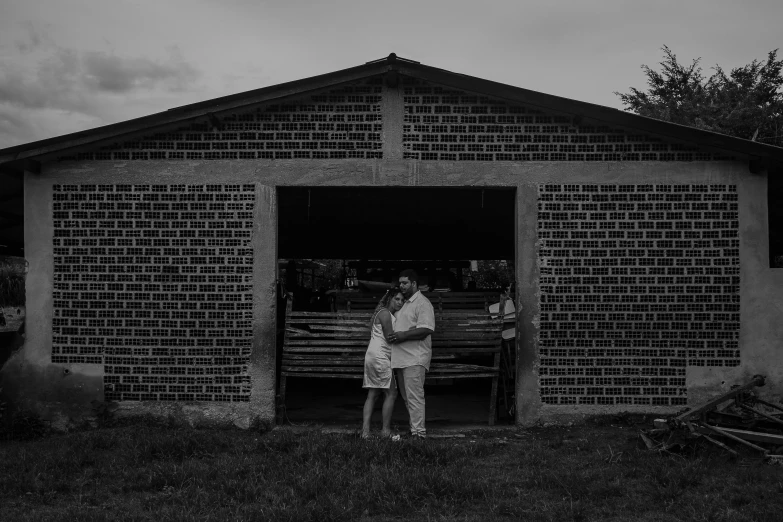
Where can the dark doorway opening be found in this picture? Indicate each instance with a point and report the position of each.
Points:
(396, 223)
(419, 225)
(775, 215)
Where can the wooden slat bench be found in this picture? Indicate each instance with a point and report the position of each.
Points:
(332, 345)
(441, 301)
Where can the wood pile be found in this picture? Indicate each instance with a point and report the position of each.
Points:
(737, 417)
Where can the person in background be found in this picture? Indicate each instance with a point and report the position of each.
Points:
(412, 349)
(378, 374)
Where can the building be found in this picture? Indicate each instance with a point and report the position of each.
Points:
(642, 248)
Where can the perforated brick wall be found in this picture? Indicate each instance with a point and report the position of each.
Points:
(155, 283)
(339, 123)
(442, 123)
(637, 283)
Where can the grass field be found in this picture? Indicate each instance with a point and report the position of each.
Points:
(597, 471)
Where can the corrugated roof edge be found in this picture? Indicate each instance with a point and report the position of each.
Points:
(598, 113)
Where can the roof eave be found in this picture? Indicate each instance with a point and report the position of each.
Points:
(188, 112)
(588, 111)
(598, 113)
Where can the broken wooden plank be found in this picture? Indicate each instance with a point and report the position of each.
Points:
(769, 404)
(741, 436)
(759, 412)
(720, 444)
(696, 411)
(647, 441)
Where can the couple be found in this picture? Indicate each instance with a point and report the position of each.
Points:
(400, 343)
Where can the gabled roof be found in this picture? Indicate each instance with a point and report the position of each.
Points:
(394, 65)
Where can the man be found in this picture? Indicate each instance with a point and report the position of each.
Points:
(412, 348)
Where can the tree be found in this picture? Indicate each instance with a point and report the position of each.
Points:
(746, 103)
(493, 274)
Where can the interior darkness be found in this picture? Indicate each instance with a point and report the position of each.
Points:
(775, 215)
(409, 223)
(395, 223)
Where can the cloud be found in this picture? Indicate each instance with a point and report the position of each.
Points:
(14, 128)
(65, 89)
(106, 72)
(31, 40)
(65, 78)
(18, 125)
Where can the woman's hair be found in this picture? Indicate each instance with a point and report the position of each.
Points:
(384, 302)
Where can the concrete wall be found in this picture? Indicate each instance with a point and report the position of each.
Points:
(63, 392)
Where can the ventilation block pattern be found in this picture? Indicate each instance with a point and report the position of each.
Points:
(442, 123)
(155, 283)
(340, 123)
(637, 283)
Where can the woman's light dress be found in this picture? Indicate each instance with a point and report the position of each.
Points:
(377, 360)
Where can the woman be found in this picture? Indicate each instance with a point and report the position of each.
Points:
(377, 362)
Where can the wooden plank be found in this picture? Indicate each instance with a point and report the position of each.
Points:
(476, 375)
(333, 315)
(467, 344)
(303, 357)
(332, 376)
(694, 412)
(324, 363)
(342, 346)
(460, 368)
(331, 369)
(354, 316)
(326, 349)
(733, 434)
(318, 316)
(478, 340)
(339, 328)
(466, 349)
(746, 435)
(720, 444)
(358, 355)
(327, 342)
(354, 339)
(759, 412)
(296, 331)
(332, 335)
(357, 321)
(347, 315)
(466, 334)
(440, 323)
(360, 376)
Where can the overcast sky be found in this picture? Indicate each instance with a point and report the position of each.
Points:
(70, 65)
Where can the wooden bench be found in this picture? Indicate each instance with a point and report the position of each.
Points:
(332, 345)
(441, 301)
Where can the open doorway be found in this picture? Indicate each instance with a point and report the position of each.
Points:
(349, 243)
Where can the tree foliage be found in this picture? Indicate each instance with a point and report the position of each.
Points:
(746, 102)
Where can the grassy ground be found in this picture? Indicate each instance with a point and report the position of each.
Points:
(593, 472)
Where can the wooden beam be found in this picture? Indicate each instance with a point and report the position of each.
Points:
(745, 435)
(761, 413)
(696, 411)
